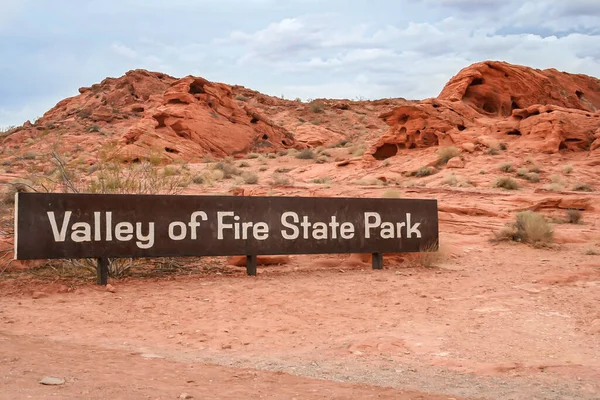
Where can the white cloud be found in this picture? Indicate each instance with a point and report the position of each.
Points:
(123, 50)
(395, 48)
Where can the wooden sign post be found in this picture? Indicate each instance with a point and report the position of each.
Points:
(68, 226)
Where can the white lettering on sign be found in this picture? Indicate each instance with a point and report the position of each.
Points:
(318, 230)
(82, 231)
(230, 225)
(260, 230)
(389, 230)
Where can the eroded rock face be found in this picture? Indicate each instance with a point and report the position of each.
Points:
(156, 115)
(550, 129)
(548, 110)
(315, 136)
(198, 117)
(429, 123)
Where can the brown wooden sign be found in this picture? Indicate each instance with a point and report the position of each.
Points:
(60, 226)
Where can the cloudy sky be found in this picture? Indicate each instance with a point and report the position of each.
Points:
(292, 48)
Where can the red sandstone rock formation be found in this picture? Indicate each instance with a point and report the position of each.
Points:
(547, 111)
(153, 114)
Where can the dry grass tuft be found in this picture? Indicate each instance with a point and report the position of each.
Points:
(229, 170)
(529, 227)
(447, 153)
(506, 182)
(424, 171)
(280, 180)
(429, 256)
(582, 187)
(305, 154)
(250, 178)
(506, 167)
(554, 187)
(573, 216)
(391, 194)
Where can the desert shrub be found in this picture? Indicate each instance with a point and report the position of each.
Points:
(250, 178)
(521, 172)
(94, 128)
(322, 159)
(370, 182)
(263, 169)
(554, 187)
(506, 167)
(13, 188)
(282, 170)
(429, 255)
(243, 164)
(391, 194)
(591, 252)
(316, 107)
(582, 187)
(170, 171)
(341, 143)
(573, 216)
(280, 180)
(567, 169)
(450, 180)
(506, 182)
(447, 153)
(321, 180)
(271, 155)
(529, 227)
(241, 97)
(532, 177)
(493, 151)
(199, 179)
(217, 175)
(533, 166)
(229, 170)
(305, 154)
(424, 171)
(532, 227)
(456, 181)
(253, 155)
(555, 178)
(357, 151)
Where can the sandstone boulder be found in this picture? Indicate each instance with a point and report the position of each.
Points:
(455, 162)
(315, 136)
(547, 111)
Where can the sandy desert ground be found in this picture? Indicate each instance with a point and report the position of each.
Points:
(480, 319)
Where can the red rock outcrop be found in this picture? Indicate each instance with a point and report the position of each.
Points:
(197, 117)
(155, 115)
(497, 88)
(547, 111)
(315, 136)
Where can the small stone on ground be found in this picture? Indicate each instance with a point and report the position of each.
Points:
(50, 380)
